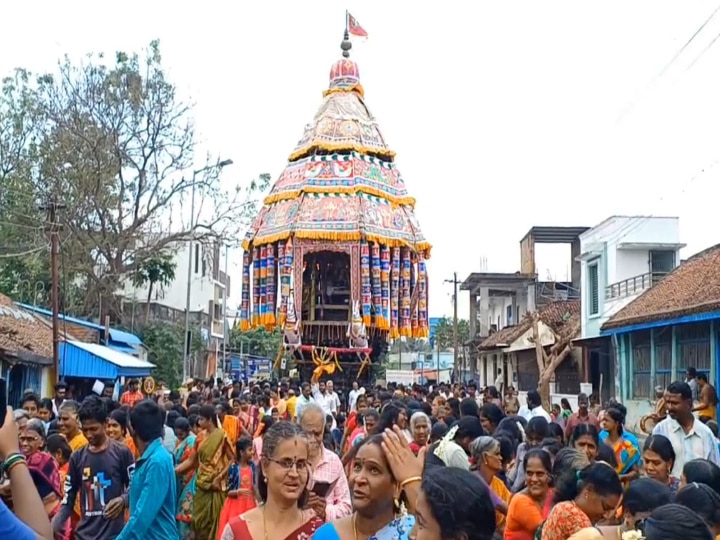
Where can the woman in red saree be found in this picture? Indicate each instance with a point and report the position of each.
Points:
(44, 471)
(282, 486)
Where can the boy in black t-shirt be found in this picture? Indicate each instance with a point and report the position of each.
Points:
(100, 473)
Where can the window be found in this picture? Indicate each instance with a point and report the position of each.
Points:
(197, 258)
(509, 315)
(662, 262)
(593, 289)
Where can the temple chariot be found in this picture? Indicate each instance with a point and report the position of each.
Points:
(335, 258)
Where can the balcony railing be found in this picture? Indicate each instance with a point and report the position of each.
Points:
(633, 285)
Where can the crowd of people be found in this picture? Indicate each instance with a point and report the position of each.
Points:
(274, 461)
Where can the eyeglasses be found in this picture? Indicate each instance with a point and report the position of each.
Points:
(301, 465)
(28, 439)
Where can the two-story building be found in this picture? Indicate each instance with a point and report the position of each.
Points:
(620, 258)
(209, 288)
(670, 327)
(502, 300)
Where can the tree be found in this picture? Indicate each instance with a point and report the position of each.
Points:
(156, 270)
(164, 342)
(549, 358)
(256, 342)
(445, 336)
(113, 141)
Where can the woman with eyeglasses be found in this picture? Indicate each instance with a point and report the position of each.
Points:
(282, 484)
(43, 467)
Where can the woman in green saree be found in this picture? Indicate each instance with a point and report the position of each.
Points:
(213, 456)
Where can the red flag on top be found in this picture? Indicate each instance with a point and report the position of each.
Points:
(354, 28)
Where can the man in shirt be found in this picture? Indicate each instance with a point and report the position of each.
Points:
(304, 399)
(132, 395)
(534, 407)
(691, 379)
(100, 474)
(327, 468)
(332, 399)
(153, 490)
(582, 416)
(60, 392)
(291, 403)
(690, 438)
(353, 395)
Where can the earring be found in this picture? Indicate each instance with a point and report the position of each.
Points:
(396, 505)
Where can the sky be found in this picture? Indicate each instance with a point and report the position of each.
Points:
(504, 115)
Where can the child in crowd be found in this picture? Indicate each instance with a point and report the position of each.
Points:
(241, 481)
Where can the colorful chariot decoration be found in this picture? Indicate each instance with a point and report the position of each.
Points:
(336, 257)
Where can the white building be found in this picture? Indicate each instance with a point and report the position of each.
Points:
(620, 259)
(208, 283)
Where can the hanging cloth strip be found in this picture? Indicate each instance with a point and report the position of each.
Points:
(256, 288)
(385, 284)
(365, 276)
(245, 293)
(270, 289)
(413, 295)
(405, 328)
(284, 287)
(423, 331)
(375, 268)
(263, 285)
(395, 294)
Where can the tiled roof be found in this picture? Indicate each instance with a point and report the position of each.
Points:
(23, 331)
(557, 315)
(693, 287)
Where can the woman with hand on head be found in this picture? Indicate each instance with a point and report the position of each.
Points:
(385, 473)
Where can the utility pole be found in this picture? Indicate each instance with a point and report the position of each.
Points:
(456, 347)
(53, 229)
(188, 336)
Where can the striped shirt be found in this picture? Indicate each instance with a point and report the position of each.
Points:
(698, 443)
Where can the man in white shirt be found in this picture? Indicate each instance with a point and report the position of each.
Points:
(500, 382)
(690, 438)
(534, 407)
(332, 398)
(353, 396)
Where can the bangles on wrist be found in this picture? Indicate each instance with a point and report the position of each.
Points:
(410, 480)
(11, 461)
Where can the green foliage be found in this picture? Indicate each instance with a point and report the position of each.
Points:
(111, 140)
(164, 343)
(159, 269)
(257, 342)
(444, 335)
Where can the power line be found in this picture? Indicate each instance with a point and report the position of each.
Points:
(631, 106)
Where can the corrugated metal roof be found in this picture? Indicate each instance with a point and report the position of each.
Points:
(115, 335)
(90, 360)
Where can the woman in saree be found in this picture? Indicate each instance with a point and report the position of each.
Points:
(582, 499)
(626, 453)
(282, 485)
(211, 458)
(43, 469)
(185, 482)
(486, 460)
(385, 472)
(531, 506)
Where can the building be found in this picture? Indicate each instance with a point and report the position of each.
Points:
(26, 351)
(620, 259)
(512, 350)
(668, 328)
(501, 300)
(209, 286)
